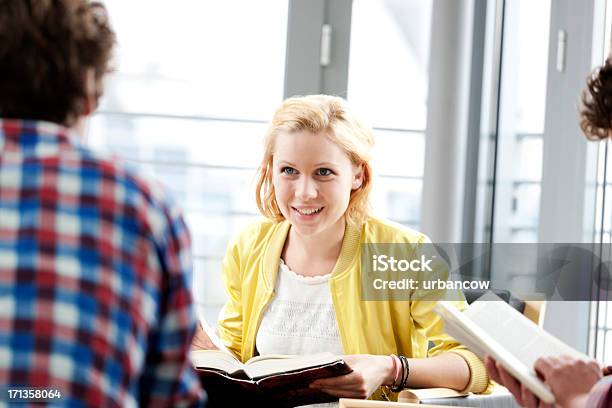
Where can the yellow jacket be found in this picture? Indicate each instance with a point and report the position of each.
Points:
(365, 327)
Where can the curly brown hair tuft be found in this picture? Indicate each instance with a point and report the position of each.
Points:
(596, 112)
(46, 49)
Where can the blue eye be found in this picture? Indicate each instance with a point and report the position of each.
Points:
(288, 171)
(324, 172)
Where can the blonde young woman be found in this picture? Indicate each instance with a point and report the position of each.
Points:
(294, 279)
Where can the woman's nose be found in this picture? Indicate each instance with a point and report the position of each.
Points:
(306, 188)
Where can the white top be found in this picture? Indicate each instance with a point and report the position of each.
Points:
(300, 319)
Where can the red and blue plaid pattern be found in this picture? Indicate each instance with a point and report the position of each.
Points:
(94, 265)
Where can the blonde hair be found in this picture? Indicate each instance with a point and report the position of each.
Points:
(319, 114)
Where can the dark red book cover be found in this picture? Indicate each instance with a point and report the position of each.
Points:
(286, 389)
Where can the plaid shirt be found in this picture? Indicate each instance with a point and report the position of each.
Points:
(94, 266)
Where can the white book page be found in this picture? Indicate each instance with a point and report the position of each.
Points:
(465, 338)
(520, 336)
(471, 333)
(262, 366)
(219, 360)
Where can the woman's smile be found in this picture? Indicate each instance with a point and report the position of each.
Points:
(307, 213)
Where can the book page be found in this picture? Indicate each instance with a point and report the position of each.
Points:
(212, 336)
(418, 394)
(273, 357)
(480, 341)
(465, 338)
(520, 336)
(215, 359)
(265, 365)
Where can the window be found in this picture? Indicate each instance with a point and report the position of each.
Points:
(188, 105)
(522, 106)
(387, 85)
(602, 310)
(541, 159)
(190, 101)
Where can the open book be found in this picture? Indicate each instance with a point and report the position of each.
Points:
(491, 326)
(270, 380)
(261, 367)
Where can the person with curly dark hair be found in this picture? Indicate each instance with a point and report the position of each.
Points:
(596, 114)
(575, 383)
(95, 307)
(52, 59)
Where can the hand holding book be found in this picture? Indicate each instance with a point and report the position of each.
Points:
(490, 326)
(369, 373)
(570, 380)
(271, 380)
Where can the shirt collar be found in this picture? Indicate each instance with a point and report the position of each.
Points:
(29, 136)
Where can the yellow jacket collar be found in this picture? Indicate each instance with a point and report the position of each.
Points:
(348, 253)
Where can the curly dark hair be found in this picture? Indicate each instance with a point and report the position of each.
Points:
(46, 48)
(596, 112)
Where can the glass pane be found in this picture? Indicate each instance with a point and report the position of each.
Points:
(388, 64)
(522, 105)
(193, 57)
(526, 204)
(529, 160)
(399, 153)
(213, 182)
(187, 141)
(209, 291)
(387, 86)
(528, 30)
(177, 67)
(398, 167)
(398, 199)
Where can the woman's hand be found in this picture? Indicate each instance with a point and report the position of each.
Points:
(570, 380)
(201, 341)
(369, 373)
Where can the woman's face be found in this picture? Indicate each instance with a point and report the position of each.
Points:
(312, 179)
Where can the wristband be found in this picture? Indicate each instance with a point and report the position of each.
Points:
(406, 367)
(396, 370)
(397, 387)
